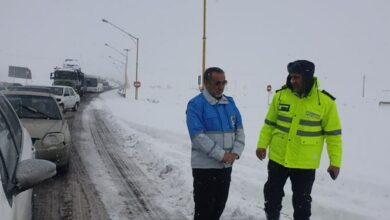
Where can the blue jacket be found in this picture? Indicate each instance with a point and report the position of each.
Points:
(215, 127)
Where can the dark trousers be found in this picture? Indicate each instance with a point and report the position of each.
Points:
(301, 181)
(211, 190)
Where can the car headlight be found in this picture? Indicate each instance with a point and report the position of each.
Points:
(53, 139)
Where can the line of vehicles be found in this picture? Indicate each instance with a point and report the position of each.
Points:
(35, 138)
(70, 74)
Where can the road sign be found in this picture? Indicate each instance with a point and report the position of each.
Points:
(137, 84)
(19, 72)
(269, 88)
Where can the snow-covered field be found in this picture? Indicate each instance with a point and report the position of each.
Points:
(156, 125)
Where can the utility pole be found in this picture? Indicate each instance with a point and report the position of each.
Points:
(204, 45)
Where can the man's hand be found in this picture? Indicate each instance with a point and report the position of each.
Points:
(261, 153)
(229, 158)
(333, 172)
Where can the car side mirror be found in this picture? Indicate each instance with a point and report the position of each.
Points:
(31, 172)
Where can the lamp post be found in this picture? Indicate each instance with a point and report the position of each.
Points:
(137, 43)
(117, 60)
(118, 51)
(127, 52)
(125, 65)
(127, 58)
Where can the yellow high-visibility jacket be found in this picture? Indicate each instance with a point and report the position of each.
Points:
(295, 128)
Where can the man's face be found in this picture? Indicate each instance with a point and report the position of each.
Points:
(297, 82)
(216, 85)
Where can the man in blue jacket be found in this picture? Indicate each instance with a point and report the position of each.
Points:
(217, 139)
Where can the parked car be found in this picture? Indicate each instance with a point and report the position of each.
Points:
(18, 168)
(66, 97)
(42, 117)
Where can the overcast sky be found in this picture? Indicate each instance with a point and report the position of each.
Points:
(254, 39)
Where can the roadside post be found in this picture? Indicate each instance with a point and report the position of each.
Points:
(137, 84)
(269, 90)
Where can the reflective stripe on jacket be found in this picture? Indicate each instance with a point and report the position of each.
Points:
(215, 127)
(295, 129)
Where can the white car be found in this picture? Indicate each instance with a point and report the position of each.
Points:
(66, 97)
(18, 168)
(43, 119)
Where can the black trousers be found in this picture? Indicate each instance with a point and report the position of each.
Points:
(301, 181)
(211, 190)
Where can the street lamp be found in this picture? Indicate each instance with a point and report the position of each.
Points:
(118, 51)
(137, 43)
(117, 60)
(127, 52)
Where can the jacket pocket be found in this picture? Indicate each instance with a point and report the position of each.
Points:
(310, 149)
(278, 144)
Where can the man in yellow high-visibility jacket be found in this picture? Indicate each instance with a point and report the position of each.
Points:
(298, 121)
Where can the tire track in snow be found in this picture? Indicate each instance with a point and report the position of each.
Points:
(69, 195)
(131, 181)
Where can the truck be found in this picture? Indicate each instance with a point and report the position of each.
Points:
(70, 74)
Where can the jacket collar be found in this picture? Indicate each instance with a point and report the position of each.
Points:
(212, 101)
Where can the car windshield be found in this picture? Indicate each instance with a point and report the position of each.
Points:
(65, 75)
(35, 107)
(91, 82)
(56, 90)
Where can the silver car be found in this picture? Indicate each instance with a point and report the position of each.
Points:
(42, 117)
(19, 171)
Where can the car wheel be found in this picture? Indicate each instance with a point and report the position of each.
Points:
(76, 107)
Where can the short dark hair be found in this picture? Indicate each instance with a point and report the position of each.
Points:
(209, 71)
